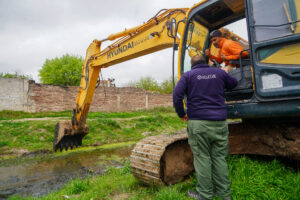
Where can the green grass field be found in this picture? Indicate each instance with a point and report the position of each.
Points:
(35, 131)
(251, 179)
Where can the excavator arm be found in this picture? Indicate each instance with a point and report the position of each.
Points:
(160, 32)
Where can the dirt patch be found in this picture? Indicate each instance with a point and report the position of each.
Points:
(36, 119)
(17, 152)
(265, 138)
(128, 119)
(38, 152)
(121, 119)
(23, 153)
(97, 144)
(120, 196)
(178, 162)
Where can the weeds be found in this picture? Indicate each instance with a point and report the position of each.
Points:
(3, 143)
(78, 186)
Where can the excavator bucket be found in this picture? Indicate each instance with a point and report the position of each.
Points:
(65, 137)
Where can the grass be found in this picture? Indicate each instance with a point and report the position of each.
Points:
(9, 115)
(105, 128)
(251, 179)
(27, 135)
(255, 179)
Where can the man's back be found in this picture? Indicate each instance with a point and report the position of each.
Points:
(204, 88)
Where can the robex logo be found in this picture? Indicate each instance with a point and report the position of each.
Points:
(205, 77)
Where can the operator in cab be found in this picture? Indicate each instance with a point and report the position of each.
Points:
(207, 127)
(226, 50)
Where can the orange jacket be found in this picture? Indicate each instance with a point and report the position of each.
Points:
(230, 49)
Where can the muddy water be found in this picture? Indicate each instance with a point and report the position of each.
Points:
(38, 175)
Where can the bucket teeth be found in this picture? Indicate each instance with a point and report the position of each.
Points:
(68, 142)
(76, 143)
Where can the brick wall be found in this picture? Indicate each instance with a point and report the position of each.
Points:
(33, 97)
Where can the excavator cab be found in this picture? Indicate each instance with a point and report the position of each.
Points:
(271, 74)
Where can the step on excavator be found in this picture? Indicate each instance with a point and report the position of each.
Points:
(266, 100)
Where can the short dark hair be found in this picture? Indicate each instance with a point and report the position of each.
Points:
(197, 59)
(215, 33)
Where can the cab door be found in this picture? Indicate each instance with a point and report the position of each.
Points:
(274, 27)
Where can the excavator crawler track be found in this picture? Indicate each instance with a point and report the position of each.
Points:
(163, 159)
(167, 159)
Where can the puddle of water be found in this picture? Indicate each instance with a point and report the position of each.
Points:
(38, 176)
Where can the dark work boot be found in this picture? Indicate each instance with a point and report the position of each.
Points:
(194, 194)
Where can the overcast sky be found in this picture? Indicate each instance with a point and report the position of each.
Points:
(32, 31)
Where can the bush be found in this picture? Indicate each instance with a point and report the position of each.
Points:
(78, 186)
(150, 84)
(15, 75)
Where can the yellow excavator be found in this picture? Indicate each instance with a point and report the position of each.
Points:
(267, 98)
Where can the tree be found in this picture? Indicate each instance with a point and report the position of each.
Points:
(65, 70)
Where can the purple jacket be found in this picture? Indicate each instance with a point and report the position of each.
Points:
(204, 89)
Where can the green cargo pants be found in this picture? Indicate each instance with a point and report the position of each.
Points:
(209, 144)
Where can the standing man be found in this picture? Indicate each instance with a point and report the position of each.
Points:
(207, 127)
(228, 49)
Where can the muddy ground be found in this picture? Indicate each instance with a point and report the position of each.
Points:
(38, 173)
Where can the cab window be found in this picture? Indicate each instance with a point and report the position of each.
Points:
(275, 18)
(196, 39)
